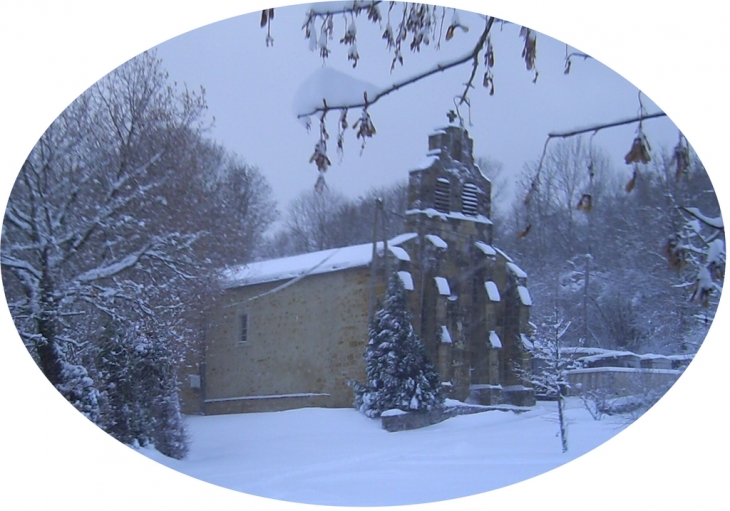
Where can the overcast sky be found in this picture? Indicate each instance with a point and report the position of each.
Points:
(250, 90)
(52, 51)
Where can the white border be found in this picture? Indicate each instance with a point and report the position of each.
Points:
(674, 51)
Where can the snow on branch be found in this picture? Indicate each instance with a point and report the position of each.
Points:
(110, 270)
(368, 99)
(330, 8)
(18, 218)
(157, 248)
(19, 264)
(714, 222)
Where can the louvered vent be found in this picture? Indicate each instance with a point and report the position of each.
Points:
(469, 199)
(441, 196)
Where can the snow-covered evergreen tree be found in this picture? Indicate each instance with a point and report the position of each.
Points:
(399, 375)
(139, 390)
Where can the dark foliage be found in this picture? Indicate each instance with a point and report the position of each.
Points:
(399, 376)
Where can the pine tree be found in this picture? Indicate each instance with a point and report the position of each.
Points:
(139, 398)
(399, 376)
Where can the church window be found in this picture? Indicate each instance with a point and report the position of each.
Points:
(469, 200)
(243, 336)
(441, 197)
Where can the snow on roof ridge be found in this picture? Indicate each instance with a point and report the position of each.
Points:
(437, 241)
(516, 270)
(407, 280)
(431, 212)
(443, 286)
(312, 263)
(402, 238)
(492, 291)
(399, 253)
(486, 248)
(503, 254)
(525, 297)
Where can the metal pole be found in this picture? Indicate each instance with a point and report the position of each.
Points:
(371, 314)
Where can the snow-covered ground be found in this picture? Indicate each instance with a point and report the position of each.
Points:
(340, 457)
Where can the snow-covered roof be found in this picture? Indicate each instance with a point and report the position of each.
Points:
(481, 172)
(443, 286)
(437, 241)
(399, 253)
(486, 249)
(313, 263)
(492, 291)
(516, 270)
(430, 212)
(401, 238)
(525, 297)
(445, 336)
(407, 280)
(494, 339)
(503, 254)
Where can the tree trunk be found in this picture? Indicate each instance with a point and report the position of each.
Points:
(561, 422)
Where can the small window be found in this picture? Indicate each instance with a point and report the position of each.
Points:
(243, 337)
(441, 196)
(469, 199)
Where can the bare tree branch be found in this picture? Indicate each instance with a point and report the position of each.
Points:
(597, 127)
(438, 68)
(475, 56)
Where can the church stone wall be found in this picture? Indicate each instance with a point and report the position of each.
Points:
(290, 358)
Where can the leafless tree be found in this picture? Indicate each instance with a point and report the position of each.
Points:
(99, 235)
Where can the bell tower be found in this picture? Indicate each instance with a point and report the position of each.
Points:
(448, 193)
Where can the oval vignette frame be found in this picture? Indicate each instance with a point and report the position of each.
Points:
(643, 440)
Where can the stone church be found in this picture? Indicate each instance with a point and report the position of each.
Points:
(291, 332)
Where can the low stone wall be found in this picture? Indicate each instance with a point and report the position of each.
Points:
(405, 421)
(414, 420)
(259, 404)
(620, 381)
(497, 395)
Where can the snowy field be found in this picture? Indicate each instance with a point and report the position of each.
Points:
(340, 457)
